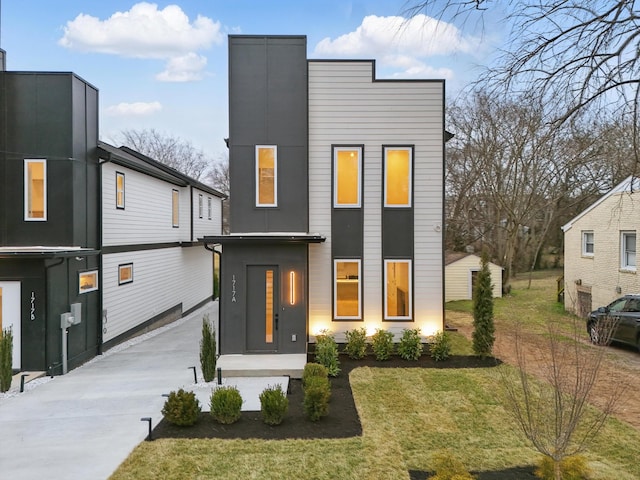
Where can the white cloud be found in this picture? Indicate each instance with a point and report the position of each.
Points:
(134, 109)
(145, 32)
(187, 68)
(401, 43)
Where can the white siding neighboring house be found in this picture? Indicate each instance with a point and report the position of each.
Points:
(600, 250)
(153, 268)
(459, 272)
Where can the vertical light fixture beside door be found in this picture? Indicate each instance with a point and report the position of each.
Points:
(292, 287)
(268, 306)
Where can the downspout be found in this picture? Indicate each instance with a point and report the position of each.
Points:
(191, 209)
(101, 273)
(216, 252)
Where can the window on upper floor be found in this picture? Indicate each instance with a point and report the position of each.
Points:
(347, 173)
(266, 176)
(209, 208)
(397, 290)
(398, 166)
(120, 190)
(35, 190)
(87, 281)
(175, 208)
(125, 273)
(347, 290)
(628, 250)
(588, 244)
(200, 205)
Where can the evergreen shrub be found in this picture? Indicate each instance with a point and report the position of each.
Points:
(208, 357)
(181, 408)
(317, 393)
(6, 359)
(327, 353)
(273, 405)
(313, 370)
(440, 348)
(382, 344)
(448, 467)
(356, 346)
(483, 335)
(226, 405)
(410, 346)
(574, 467)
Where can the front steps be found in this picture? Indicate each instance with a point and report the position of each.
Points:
(258, 365)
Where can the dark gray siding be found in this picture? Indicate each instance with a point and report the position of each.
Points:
(268, 106)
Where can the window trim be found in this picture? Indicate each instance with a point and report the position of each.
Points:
(121, 268)
(335, 289)
(27, 189)
(585, 233)
(119, 205)
(624, 235)
(410, 293)
(200, 206)
(275, 176)
(175, 208)
(92, 289)
(410, 149)
(334, 175)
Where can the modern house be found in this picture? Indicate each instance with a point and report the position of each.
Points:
(460, 273)
(600, 250)
(96, 242)
(337, 211)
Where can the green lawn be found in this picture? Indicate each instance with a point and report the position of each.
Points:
(407, 415)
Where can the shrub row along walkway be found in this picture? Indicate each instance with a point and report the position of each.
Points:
(84, 424)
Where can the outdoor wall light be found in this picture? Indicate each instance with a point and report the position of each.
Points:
(292, 288)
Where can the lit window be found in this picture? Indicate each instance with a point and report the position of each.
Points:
(266, 176)
(628, 250)
(200, 205)
(397, 179)
(175, 208)
(209, 208)
(397, 290)
(87, 281)
(347, 292)
(35, 190)
(587, 244)
(125, 273)
(346, 176)
(119, 190)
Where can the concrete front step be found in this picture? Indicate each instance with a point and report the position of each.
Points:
(259, 365)
(16, 379)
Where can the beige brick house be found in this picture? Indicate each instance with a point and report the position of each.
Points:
(600, 250)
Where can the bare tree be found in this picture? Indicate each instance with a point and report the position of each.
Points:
(556, 416)
(172, 151)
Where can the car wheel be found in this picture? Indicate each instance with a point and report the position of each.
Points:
(594, 334)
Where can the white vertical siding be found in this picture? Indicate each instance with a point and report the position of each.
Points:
(347, 107)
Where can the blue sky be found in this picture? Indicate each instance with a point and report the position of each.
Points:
(163, 65)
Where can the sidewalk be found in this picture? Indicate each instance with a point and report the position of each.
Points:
(84, 424)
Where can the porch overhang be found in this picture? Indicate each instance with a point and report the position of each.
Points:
(46, 252)
(263, 238)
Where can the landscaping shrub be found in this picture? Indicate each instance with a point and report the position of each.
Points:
(317, 393)
(356, 346)
(574, 467)
(440, 348)
(208, 356)
(448, 467)
(181, 408)
(6, 359)
(410, 346)
(273, 405)
(226, 404)
(483, 326)
(327, 353)
(313, 370)
(382, 344)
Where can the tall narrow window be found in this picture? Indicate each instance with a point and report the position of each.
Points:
(587, 244)
(35, 190)
(266, 176)
(268, 306)
(397, 176)
(346, 176)
(347, 292)
(628, 251)
(200, 206)
(397, 290)
(119, 190)
(209, 208)
(175, 208)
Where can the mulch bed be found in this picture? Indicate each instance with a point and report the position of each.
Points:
(342, 421)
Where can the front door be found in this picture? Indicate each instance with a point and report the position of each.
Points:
(10, 315)
(263, 293)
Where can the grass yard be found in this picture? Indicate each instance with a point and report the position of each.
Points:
(407, 414)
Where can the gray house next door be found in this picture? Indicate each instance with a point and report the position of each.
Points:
(262, 308)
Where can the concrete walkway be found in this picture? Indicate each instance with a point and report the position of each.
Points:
(84, 424)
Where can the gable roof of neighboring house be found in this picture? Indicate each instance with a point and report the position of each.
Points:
(630, 184)
(134, 160)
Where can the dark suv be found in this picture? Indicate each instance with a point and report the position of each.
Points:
(624, 313)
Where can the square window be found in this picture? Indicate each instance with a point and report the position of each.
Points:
(266, 176)
(397, 290)
(87, 281)
(588, 244)
(120, 190)
(347, 290)
(398, 166)
(35, 190)
(125, 273)
(347, 172)
(628, 251)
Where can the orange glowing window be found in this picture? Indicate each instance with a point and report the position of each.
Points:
(87, 281)
(119, 190)
(266, 176)
(397, 180)
(346, 171)
(397, 289)
(347, 289)
(35, 189)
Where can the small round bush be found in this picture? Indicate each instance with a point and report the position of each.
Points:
(448, 467)
(574, 467)
(440, 348)
(317, 393)
(382, 344)
(313, 370)
(327, 353)
(226, 404)
(356, 346)
(181, 408)
(273, 405)
(410, 347)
